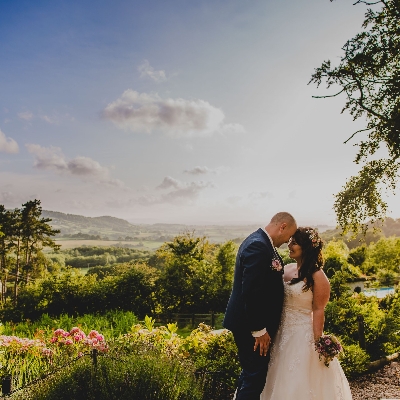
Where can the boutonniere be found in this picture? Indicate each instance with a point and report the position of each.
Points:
(276, 264)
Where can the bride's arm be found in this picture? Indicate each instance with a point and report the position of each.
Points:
(321, 292)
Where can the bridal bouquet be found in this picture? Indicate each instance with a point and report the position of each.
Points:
(328, 347)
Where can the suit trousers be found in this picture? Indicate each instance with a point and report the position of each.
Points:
(254, 368)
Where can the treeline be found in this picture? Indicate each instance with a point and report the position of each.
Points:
(94, 256)
(188, 274)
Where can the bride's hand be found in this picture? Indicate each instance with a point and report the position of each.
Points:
(263, 342)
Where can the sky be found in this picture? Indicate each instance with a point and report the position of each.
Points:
(178, 111)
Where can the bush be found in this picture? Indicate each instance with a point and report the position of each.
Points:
(354, 361)
(215, 353)
(147, 376)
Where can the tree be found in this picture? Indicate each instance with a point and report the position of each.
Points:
(357, 256)
(384, 254)
(195, 275)
(36, 233)
(368, 74)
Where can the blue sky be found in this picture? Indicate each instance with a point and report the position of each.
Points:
(174, 111)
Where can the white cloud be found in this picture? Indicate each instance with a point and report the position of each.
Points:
(52, 158)
(26, 115)
(199, 170)
(147, 71)
(143, 112)
(8, 145)
(49, 120)
(261, 195)
(176, 192)
(169, 182)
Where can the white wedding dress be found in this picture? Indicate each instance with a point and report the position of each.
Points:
(295, 371)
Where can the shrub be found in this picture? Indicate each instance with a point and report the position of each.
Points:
(354, 361)
(148, 376)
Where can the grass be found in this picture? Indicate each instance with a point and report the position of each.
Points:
(146, 376)
(111, 324)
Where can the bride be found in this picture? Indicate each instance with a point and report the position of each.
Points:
(295, 370)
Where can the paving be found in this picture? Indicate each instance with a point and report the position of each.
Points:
(380, 385)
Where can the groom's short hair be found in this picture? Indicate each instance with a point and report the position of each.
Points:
(282, 217)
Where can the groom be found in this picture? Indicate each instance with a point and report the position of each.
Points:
(255, 305)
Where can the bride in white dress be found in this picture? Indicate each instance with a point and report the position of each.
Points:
(295, 370)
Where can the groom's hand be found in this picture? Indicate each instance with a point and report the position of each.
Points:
(263, 342)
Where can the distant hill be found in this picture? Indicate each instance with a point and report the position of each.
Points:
(67, 222)
(110, 228)
(76, 227)
(390, 227)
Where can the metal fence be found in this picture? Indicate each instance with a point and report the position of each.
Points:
(212, 383)
(190, 319)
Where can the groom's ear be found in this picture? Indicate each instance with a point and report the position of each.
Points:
(283, 226)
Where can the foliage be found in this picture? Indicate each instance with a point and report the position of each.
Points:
(27, 359)
(357, 256)
(77, 294)
(143, 376)
(112, 324)
(84, 256)
(368, 74)
(384, 254)
(195, 275)
(354, 360)
(26, 233)
(214, 352)
(335, 254)
(341, 315)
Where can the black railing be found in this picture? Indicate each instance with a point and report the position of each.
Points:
(188, 319)
(212, 383)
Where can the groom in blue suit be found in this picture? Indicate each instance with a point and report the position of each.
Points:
(255, 305)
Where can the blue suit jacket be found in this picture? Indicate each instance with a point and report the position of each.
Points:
(257, 294)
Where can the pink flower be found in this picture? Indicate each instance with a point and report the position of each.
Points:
(276, 264)
(47, 352)
(93, 334)
(68, 342)
(100, 337)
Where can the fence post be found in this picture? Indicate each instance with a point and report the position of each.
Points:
(192, 320)
(361, 331)
(94, 357)
(212, 319)
(6, 385)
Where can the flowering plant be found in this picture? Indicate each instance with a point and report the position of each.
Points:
(328, 347)
(76, 341)
(314, 237)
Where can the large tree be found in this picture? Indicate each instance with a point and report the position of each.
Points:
(25, 234)
(368, 75)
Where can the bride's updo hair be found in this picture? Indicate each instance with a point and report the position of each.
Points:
(312, 261)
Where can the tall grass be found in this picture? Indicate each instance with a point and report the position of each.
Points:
(111, 324)
(147, 377)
